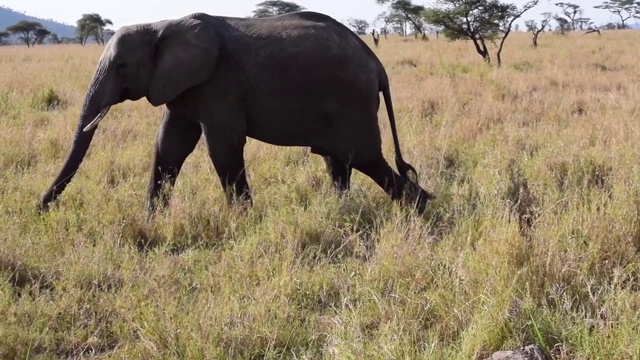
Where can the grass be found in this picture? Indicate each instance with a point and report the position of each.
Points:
(534, 237)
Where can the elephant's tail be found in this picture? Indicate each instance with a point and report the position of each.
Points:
(404, 168)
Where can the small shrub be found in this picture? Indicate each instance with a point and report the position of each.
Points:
(524, 66)
(408, 62)
(604, 67)
(47, 100)
(454, 69)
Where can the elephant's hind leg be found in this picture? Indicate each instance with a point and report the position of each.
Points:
(380, 172)
(176, 139)
(339, 171)
(398, 188)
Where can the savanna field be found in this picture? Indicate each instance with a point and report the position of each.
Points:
(534, 237)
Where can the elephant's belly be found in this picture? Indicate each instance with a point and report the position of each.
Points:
(289, 128)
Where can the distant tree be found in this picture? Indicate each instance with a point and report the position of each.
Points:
(583, 23)
(275, 7)
(41, 35)
(398, 24)
(509, 16)
(4, 37)
(610, 26)
(27, 31)
(431, 29)
(411, 12)
(54, 39)
(359, 26)
(92, 25)
(571, 11)
(480, 21)
(624, 9)
(68, 40)
(535, 30)
(564, 26)
(382, 21)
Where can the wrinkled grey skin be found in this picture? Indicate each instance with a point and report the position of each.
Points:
(301, 79)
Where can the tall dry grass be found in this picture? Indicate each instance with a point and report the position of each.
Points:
(534, 236)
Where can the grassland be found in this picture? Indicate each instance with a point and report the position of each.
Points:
(534, 237)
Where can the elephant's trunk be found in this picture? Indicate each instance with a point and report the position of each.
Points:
(94, 108)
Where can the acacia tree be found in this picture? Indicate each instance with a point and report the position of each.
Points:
(398, 23)
(92, 25)
(535, 30)
(509, 16)
(624, 9)
(564, 26)
(480, 21)
(584, 23)
(571, 11)
(407, 10)
(26, 31)
(275, 7)
(391, 22)
(54, 39)
(4, 35)
(40, 35)
(359, 26)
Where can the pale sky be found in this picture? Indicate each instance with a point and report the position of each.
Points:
(127, 12)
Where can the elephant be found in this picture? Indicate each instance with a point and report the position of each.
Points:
(300, 79)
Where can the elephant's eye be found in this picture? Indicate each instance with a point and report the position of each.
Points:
(121, 66)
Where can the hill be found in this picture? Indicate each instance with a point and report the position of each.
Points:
(9, 17)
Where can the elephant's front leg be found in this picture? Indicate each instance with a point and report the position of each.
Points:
(226, 150)
(176, 139)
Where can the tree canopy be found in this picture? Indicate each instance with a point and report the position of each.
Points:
(29, 32)
(571, 11)
(480, 21)
(275, 7)
(535, 30)
(92, 25)
(406, 11)
(624, 9)
(41, 34)
(359, 26)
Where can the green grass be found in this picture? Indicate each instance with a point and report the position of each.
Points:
(534, 237)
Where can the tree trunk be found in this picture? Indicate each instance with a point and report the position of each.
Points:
(504, 38)
(481, 48)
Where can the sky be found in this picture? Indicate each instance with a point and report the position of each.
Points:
(127, 12)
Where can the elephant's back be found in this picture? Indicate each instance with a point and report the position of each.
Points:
(302, 41)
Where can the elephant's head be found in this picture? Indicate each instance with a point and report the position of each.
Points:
(158, 61)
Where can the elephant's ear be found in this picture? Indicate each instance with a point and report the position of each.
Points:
(185, 55)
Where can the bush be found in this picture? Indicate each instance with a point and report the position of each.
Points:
(47, 100)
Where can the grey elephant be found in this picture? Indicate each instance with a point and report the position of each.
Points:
(301, 79)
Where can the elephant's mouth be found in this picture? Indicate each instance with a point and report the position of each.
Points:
(92, 125)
